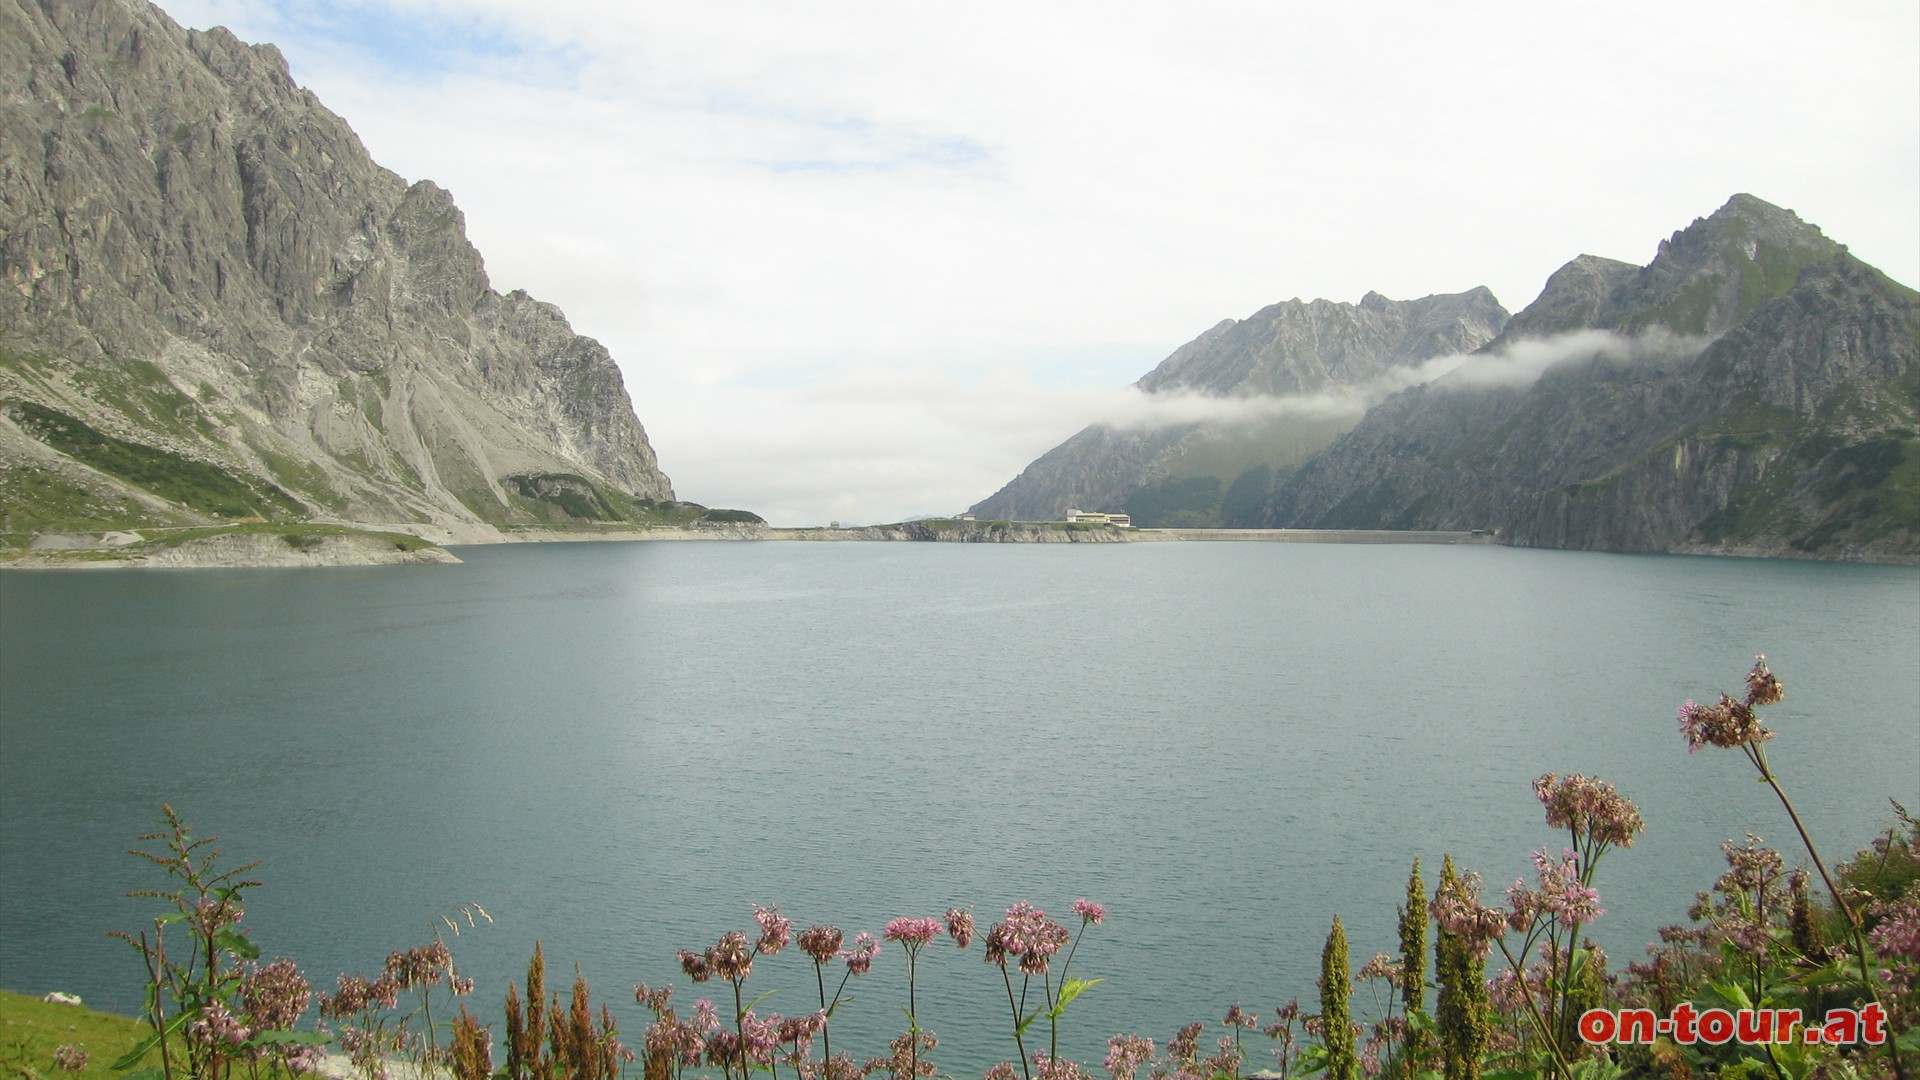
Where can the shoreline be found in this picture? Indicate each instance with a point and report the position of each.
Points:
(399, 543)
(317, 544)
(288, 547)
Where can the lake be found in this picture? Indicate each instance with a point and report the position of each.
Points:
(618, 748)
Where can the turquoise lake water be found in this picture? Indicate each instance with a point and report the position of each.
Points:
(618, 748)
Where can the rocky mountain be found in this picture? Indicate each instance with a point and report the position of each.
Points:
(1754, 389)
(217, 306)
(1307, 368)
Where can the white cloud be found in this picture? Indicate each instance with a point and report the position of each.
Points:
(868, 443)
(748, 200)
(1522, 363)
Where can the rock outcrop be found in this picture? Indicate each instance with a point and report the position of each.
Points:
(1325, 358)
(214, 304)
(1758, 392)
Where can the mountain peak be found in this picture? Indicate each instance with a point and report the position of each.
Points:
(1298, 346)
(1747, 223)
(1755, 209)
(1573, 299)
(1713, 273)
(1703, 280)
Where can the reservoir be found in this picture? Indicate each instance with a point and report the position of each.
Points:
(618, 749)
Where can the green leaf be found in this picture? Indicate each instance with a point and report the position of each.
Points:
(132, 1057)
(151, 1072)
(1832, 974)
(236, 943)
(1724, 993)
(1511, 1074)
(1596, 1069)
(1069, 990)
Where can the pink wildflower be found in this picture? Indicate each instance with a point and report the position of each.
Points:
(821, 942)
(1897, 936)
(839, 1067)
(730, 957)
(1589, 807)
(1089, 911)
(1032, 937)
(1283, 1018)
(655, 1001)
(69, 1058)
(1046, 1068)
(217, 1029)
(776, 930)
(859, 958)
(695, 965)
(1370, 1058)
(960, 926)
(355, 995)
(1126, 1054)
(912, 932)
(1751, 938)
(1560, 897)
(798, 1032)
(1184, 1046)
(1762, 687)
(908, 1061)
(679, 1040)
(762, 1037)
(1459, 911)
(1726, 723)
(1751, 867)
(1896, 942)
(1226, 1061)
(419, 967)
(276, 996)
(216, 913)
(1381, 966)
(997, 944)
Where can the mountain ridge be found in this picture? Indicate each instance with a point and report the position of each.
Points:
(1289, 349)
(1788, 427)
(205, 265)
(1752, 389)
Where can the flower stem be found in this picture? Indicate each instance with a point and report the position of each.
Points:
(1539, 1021)
(1025, 1069)
(826, 1039)
(1759, 758)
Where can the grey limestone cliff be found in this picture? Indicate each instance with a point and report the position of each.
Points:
(215, 304)
(1206, 473)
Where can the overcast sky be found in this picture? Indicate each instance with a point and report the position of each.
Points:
(863, 260)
